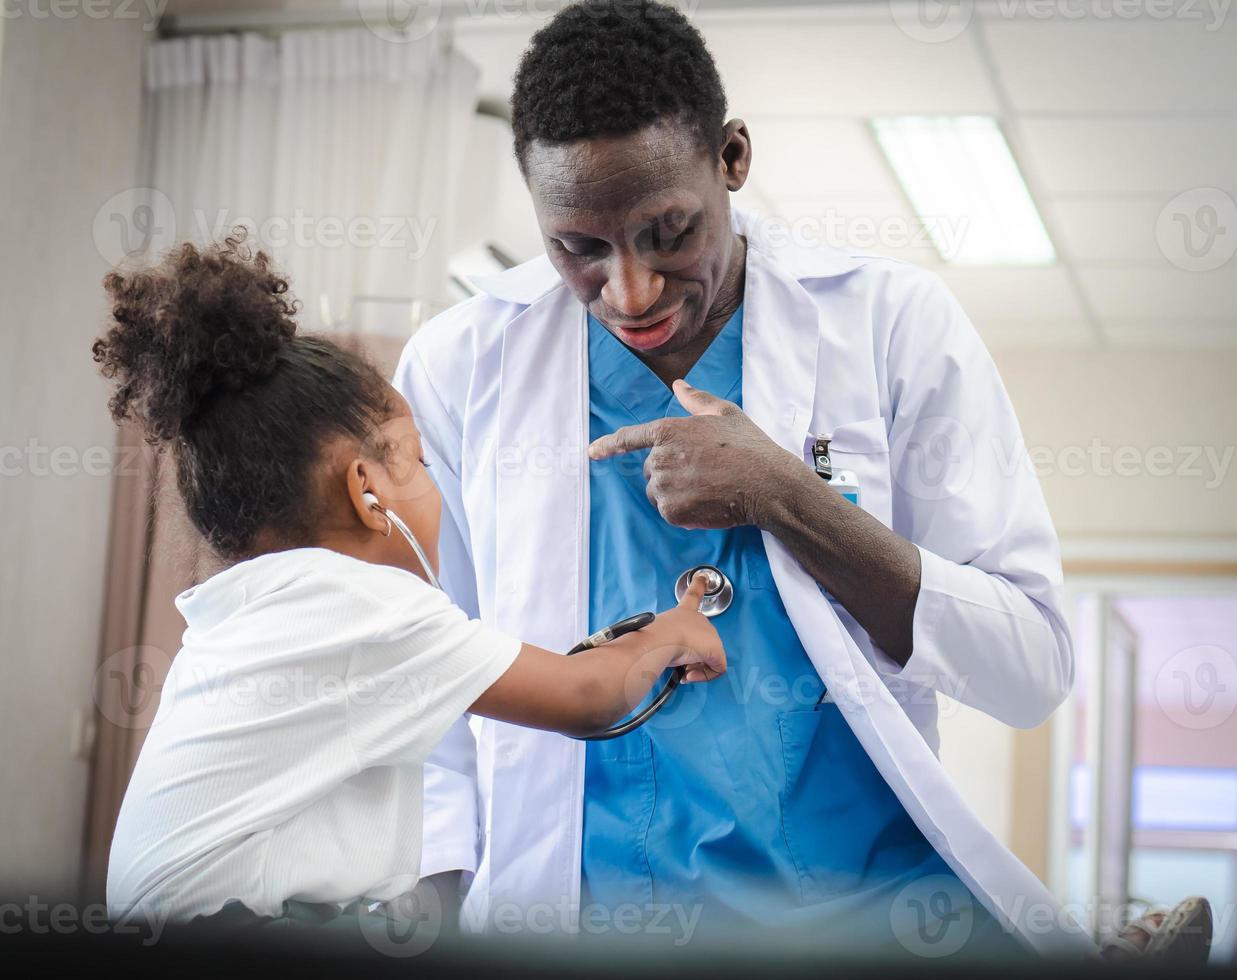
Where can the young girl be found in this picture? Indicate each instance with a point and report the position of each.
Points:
(320, 668)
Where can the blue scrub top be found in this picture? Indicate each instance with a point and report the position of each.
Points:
(745, 796)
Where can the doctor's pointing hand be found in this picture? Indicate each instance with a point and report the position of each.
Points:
(718, 469)
(713, 469)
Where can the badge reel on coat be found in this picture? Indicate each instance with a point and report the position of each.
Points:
(718, 594)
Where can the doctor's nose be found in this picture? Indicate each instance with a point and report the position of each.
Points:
(632, 288)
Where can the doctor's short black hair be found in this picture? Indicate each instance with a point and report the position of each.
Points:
(612, 67)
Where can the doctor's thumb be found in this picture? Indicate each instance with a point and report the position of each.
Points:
(696, 400)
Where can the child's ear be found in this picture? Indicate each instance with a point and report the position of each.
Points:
(359, 487)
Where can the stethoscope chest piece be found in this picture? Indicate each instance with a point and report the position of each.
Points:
(718, 592)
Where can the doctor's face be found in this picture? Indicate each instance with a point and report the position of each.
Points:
(638, 226)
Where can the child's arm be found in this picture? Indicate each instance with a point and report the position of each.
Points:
(586, 693)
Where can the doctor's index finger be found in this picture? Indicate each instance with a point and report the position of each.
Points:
(626, 440)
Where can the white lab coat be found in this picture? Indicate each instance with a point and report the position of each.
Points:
(874, 351)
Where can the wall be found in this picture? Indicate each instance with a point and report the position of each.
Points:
(70, 101)
(1078, 408)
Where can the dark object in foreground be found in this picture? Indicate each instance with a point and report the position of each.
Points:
(224, 950)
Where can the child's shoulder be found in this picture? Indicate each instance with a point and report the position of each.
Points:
(371, 578)
(322, 574)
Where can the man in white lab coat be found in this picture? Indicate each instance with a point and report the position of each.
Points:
(945, 578)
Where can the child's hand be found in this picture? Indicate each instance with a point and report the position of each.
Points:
(701, 652)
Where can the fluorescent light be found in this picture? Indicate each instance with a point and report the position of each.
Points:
(966, 188)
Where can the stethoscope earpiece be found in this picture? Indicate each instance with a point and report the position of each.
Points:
(370, 500)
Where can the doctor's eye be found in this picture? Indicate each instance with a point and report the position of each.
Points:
(581, 247)
(664, 239)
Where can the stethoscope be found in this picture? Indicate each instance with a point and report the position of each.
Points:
(394, 519)
(718, 595)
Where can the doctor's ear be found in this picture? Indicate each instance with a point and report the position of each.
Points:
(736, 154)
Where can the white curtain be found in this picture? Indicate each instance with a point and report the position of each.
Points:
(340, 151)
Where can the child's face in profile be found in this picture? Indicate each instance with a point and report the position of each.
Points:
(404, 485)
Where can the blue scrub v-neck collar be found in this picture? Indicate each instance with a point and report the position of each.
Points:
(615, 369)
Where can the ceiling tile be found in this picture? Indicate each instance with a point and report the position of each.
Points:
(876, 226)
(818, 157)
(1162, 294)
(844, 68)
(1121, 231)
(1186, 62)
(1020, 294)
(1009, 333)
(1120, 157)
(1174, 333)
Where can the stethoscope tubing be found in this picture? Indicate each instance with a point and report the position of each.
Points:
(613, 632)
(600, 638)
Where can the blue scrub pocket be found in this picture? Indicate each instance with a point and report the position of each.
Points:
(619, 797)
(844, 827)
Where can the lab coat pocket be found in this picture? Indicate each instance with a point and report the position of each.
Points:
(863, 449)
(844, 827)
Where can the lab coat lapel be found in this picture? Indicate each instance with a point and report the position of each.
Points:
(541, 553)
(781, 348)
(781, 338)
(541, 527)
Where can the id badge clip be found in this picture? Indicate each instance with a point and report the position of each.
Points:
(843, 481)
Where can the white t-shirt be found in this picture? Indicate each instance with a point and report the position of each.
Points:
(286, 758)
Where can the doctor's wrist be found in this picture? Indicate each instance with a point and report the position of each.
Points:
(778, 506)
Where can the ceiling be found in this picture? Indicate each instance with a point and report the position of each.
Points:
(1111, 119)
(1123, 122)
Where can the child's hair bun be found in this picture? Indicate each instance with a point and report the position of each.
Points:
(201, 323)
